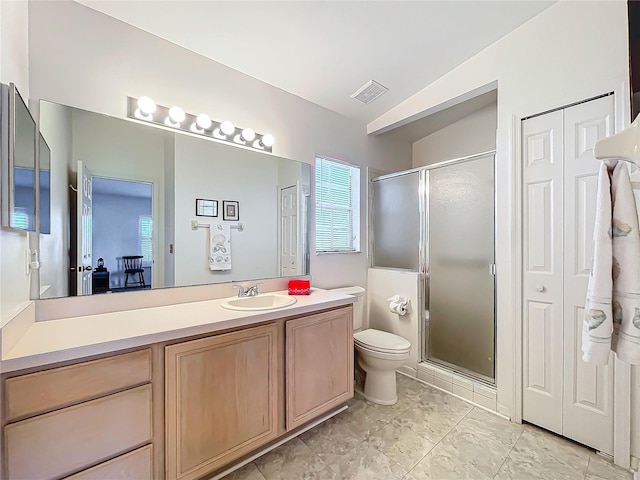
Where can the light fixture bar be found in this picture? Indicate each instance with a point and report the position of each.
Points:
(146, 110)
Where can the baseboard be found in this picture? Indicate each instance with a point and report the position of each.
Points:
(635, 467)
(407, 370)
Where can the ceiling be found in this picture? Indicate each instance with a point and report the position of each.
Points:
(323, 51)
(121, 188)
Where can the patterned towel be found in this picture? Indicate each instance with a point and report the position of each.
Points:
(598, 322)
(626, 268)
(612, 313)
(219, 247)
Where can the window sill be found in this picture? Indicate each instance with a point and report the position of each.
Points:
(339, 252)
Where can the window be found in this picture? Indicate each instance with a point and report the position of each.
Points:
(20, 218)
(337, 206)
(145, 238)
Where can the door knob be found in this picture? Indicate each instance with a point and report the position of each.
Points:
(88, 269)
(540, 288)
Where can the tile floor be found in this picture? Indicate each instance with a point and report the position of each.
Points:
(428, 434)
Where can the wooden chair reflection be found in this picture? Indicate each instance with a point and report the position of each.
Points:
(133, 267)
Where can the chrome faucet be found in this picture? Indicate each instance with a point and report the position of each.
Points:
(252, 291)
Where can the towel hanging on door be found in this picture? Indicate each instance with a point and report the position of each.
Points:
(612, 312)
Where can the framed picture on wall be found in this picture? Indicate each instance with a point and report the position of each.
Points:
(206, 208)
(230, 210)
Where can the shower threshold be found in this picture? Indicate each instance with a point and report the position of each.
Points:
(459, 371)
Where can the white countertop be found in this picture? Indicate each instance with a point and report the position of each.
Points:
(71, 338)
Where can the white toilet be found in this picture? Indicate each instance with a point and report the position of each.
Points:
(379, 354)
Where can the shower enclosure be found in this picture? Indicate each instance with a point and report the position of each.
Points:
(439, 221)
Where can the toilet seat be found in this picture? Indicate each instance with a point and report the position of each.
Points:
(381, 342)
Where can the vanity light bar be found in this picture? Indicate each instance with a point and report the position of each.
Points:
(145, 109)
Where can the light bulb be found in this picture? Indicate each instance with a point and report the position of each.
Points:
(177, 115)
(248, 134)
(203, 121)
(146, 105)
(227, 127)
(267, 140)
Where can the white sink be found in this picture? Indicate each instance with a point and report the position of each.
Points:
(266, 301)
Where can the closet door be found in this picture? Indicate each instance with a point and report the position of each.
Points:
(542, 302)
(587, 414)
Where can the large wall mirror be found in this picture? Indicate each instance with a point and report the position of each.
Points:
(125, 196)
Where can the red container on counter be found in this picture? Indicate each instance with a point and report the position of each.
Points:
(299, 287)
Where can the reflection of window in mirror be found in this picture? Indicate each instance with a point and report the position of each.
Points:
(44, 186)
(22, 163)
(145, 238)
(20, 218)
(337, 206)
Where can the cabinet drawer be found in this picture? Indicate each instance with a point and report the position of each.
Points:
(60, 387)
(136, 465)
(66, 441)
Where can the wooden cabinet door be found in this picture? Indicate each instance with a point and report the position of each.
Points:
(221, 399)
(319, 364)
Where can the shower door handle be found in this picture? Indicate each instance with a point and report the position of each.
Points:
(492, 269)
(424, 287)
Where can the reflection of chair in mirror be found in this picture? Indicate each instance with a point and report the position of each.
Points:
(133, 266)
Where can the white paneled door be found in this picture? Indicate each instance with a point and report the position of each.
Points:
(542, 273)
(560, 392)
(289, 243)
(84, 230)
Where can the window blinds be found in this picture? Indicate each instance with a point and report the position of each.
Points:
(145, 238)
(334, 206)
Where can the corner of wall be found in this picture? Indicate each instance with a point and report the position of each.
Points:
(14, 67)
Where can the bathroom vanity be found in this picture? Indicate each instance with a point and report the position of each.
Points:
(176, 392)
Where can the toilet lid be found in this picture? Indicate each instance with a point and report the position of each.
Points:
(380, 341)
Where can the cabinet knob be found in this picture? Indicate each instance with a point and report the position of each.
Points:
(540, 288)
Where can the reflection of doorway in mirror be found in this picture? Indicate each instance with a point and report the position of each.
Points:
(123, 226)
(290, 249)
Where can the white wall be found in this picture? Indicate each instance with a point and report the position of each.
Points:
(474, 133)
(114, 60)
(382, 284)
(635, 411)
(204, 169)
(55, 125)
(14, 47)
(570, 52)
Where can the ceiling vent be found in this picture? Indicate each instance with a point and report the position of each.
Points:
(369, 92)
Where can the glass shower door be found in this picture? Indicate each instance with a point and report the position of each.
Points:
(461, 216)
(396, 222)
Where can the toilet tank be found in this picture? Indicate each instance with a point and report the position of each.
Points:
(358, 306)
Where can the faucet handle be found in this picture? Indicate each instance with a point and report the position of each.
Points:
(253, 290)
(241, 291)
